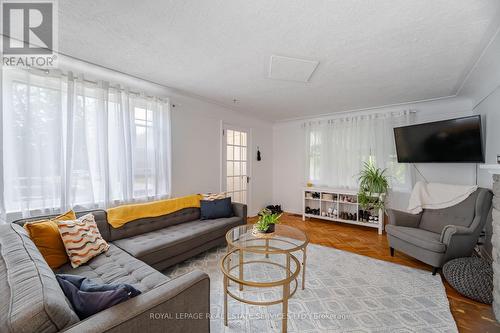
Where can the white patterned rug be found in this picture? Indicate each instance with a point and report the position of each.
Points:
(345, 292)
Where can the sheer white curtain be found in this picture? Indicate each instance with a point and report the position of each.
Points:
(337, 148)
(69, 142)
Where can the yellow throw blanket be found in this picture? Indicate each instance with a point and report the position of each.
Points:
(118, 216)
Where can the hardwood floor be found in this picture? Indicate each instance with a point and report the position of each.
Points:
(470, 316)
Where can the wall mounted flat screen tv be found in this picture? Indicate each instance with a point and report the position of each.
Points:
(450, 141)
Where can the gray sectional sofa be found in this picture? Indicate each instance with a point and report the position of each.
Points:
(32, 301)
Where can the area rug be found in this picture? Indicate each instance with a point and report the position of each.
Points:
(345, 292)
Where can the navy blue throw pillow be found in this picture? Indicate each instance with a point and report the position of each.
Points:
(216, 209)
(88, 297)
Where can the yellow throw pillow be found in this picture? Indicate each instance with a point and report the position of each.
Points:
(82, 239)
(45, 235)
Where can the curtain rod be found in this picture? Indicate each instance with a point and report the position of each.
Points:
(115, 86)
(346, 116)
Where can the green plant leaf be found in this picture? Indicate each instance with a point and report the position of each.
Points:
(373, 185)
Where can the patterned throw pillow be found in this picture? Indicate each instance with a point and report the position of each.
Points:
(82, 239)
(214, 196)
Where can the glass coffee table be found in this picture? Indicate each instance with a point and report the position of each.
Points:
(275, 251)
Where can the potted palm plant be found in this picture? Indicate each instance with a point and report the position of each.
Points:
(373, 187)
(267, 221)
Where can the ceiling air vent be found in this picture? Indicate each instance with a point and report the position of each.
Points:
(291, 69)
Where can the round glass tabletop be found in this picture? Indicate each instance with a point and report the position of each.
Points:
(284, 239)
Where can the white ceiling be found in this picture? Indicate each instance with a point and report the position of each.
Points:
(371, 53)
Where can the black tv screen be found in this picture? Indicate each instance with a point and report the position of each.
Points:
(449, 141)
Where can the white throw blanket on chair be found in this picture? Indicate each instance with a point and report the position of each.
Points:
(437, 196)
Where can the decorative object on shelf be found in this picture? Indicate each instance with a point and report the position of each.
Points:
(373, 186)
(498, 159)
(309, 195)
(471, 277)
(266, 221)
(347, 199)
(312, 211)
(316, 195)
(364, 215)
(329, 212)
(348, 216)
(309, 184)
(328, 196)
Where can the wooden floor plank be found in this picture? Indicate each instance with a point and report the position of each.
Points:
(469, 315)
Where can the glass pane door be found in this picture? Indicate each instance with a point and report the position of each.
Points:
(236, 159)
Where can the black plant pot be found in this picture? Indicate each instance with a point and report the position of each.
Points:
(270, 229)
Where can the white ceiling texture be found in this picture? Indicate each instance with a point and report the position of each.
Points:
(370, 53)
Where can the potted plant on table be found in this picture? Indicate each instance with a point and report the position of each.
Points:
(267, 221)
(373, 187)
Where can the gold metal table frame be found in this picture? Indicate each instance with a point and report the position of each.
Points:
(270, 246)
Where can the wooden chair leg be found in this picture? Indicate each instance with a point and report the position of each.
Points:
(434, 270)
(392, 251)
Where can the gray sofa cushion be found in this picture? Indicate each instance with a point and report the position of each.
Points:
(418, 237)
(462, 214)
(156, 246)
(117, 266)
(149, 224)
(30, 297)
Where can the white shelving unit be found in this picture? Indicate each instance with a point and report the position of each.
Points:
(339, 204)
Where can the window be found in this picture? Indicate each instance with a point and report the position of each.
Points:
(337, 149)
(68, 142)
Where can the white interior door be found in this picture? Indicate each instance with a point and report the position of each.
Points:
(236, 163)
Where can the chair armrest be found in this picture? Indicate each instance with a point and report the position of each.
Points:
(460, 241)
(450, 231)
(403, 219)
(240, 210)
(179, 305)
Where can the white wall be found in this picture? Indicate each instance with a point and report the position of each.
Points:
(196, 155)
(196, 136)
(483, 87)
(289, 166)
(489, 110)
(289, 154)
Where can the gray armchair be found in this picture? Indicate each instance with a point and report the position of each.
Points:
(437, 235)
